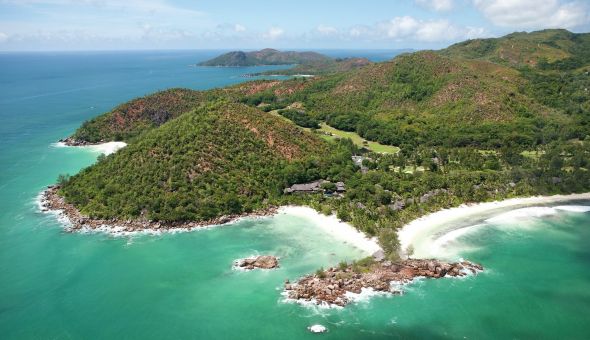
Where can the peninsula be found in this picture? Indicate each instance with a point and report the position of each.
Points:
(470, 123)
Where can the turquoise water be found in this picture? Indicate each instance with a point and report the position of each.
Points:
(91, 286)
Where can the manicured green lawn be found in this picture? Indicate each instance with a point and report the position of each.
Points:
(408, 169)
(358, 140)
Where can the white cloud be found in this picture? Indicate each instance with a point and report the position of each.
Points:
(355, 32)
(437, 5)
(326, 30)
(399, 27)
(3, 37)
(144, 7)
(139, 4)
(163, 33)
(273, 33)
(534, 14)
(408, 28)
(230, 29)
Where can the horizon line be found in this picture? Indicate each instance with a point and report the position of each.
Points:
(213, 49)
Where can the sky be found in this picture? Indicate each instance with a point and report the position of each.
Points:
(47, 25)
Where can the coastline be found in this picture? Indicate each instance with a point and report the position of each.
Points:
(457, 220)
(106, 148)
(336, 287)
(73, 221)
(332, 225)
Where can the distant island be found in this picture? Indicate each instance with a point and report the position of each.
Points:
(377, 145)
(305, 63)
(267, 56)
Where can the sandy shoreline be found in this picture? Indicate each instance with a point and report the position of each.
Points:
(332, 225)
(423, 232)
(105, 148)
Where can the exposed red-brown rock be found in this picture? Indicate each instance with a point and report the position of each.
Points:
(261, 262)
(76, 142)
(331, 285)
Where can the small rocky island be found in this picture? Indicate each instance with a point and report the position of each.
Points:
(335, 285)
(260, 262)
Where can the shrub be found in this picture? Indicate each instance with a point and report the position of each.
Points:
(320, 273)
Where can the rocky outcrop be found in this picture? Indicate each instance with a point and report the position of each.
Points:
(334, 285)
(52, 201)
(317, 328)
(261, 262)
(76, 142)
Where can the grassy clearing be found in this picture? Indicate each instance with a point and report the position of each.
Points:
(356, 139)
(408, 169)
(277, 114)
(488, 152)
(532, 154)
(329, 133)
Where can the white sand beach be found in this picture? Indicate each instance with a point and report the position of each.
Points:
(429, 233)
(104, 148)
(340, 230)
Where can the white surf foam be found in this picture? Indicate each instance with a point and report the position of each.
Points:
(574, 208)
(310, 304)
(104, 148)
(429, 235)
(449, 243)
(338, 229)
(317, 328)
(365, 295)
(522, 214)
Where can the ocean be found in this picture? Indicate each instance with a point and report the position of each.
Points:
(58, 285)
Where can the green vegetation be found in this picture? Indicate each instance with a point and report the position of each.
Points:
(541, 48)
(363, 265)
(322, 67)
(216, 160)
(300, 118)
(428, 99)
(320, 273)
(470, 123)
(130, 119)
(358, 140)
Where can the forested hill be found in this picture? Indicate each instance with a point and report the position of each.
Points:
(425, 98)
(266, 56)
(468, 127)
(222, 158)
(547, 49)
(454, 97)
(138, 115)
(323, 67)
